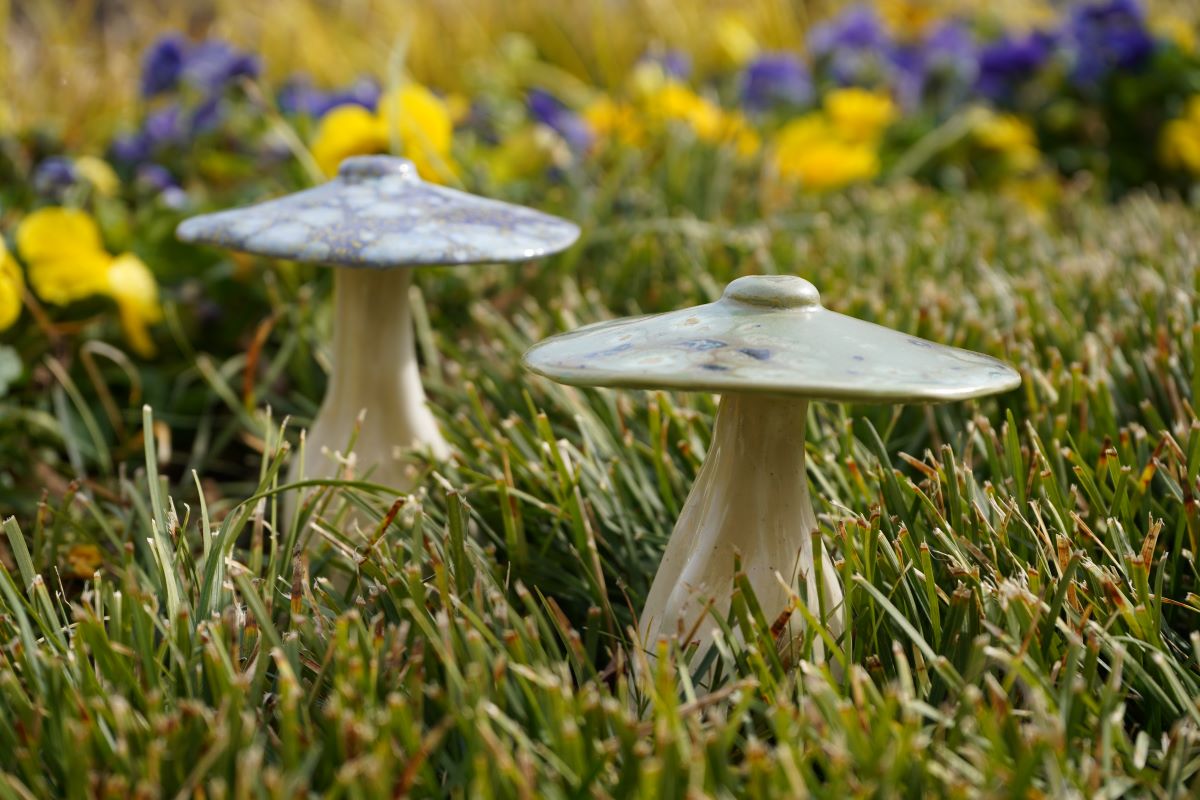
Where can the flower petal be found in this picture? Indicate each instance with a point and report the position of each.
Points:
(132, 285)
(347, 130)
(420, 120)
(12, 286)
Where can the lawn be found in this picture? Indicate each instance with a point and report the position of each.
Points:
(1021, 587)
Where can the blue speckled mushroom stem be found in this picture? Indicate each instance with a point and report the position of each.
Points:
(373, 372)
(750, 498)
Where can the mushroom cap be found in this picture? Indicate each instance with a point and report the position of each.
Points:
(377, 213)
(769, 334)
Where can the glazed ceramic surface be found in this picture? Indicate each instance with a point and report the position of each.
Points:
(382, 379)
(749, 500)
(769, 334)
(378, 213)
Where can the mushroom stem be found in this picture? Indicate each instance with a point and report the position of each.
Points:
(373, 369)
(750, 498)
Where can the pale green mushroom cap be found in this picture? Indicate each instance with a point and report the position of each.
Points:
(770, 335)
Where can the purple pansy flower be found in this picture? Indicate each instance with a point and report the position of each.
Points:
(776, 79)
(950, 47)
(207, 115)
(212, 65)
(162, 65)
(1008, 62)
(1105, 36)
(857, 28)
(547, 110)
(363, 92)
(130, 148)
(944, 60)
(163, 126)
(54, 175)
(156, 179)
(299, 96)
(677, 64)
(852, 47)
(907, 74)
(209, 66)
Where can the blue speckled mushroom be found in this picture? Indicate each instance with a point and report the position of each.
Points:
(768, 347)
(374, 220)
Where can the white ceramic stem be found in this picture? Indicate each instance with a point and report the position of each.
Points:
(751, 497)
(374, 369)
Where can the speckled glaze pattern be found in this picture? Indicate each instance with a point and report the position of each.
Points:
(769, 334)
(378, 213)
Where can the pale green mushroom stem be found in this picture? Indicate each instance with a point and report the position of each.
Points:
(374, 373)
(750, 498)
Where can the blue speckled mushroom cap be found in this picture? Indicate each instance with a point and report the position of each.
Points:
(769, 334)
(378, 213)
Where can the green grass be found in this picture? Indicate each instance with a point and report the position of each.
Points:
(1020, 572)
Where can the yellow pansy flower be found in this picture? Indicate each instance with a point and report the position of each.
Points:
(674, 101)
(712, 124)
(12, 287)
(859, 115)
(612, 120)
(48, 232)
(1011, 136)
(829, 165)
(1179, 145)
(412, 119)
(345, 131)
(64, 254)
(807, 129)
(132, 285)
(810, 150)
(420, 123)
(66, 262)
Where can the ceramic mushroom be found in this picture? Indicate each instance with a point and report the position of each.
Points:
(374, 221)
(767, 347)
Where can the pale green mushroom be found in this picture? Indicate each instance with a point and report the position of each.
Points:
(767, 347)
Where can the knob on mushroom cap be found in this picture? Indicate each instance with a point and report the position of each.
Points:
(774, 291)
(360, 168)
